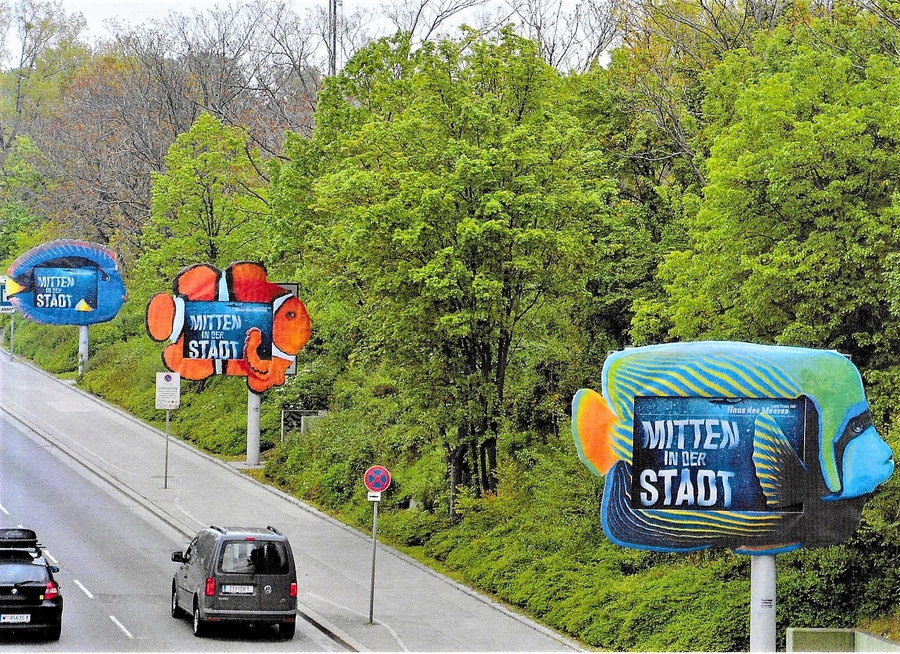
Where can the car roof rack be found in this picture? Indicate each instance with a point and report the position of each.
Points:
(18, 539)
(217, 528)
(273, 530)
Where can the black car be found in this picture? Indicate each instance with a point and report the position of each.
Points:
(237, 574)
(30, 599)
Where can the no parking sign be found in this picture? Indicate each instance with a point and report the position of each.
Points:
(377, 479)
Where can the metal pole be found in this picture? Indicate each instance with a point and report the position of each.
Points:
(762, 603)
(82, 348)
(12, 333)
(374, 547)
(166, 476)
(253, 402)
(332, 26)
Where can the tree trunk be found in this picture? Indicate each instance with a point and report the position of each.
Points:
(489, 464)
(476, 477)
(457, 464)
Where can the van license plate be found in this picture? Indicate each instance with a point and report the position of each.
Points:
(237, 590)
(15, 618)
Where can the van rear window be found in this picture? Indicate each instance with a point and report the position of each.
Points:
(254, 557)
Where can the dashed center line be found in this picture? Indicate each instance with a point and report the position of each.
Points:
(121, 626)
(3, 510)
(83, 589)
(51, 557)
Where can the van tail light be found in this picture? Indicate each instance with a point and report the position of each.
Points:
(210, 586)
(51, 591)
(293, 589)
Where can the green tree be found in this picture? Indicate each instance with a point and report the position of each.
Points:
(790, 242)
(208, 207)
(460, 202)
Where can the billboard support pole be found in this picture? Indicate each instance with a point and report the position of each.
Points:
(762, 603)
(82, 348)
(253, 402)
(12, 335)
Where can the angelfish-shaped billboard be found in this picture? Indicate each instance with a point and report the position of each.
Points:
(66, 282)
(761, 449)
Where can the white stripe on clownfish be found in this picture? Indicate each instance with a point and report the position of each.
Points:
(177, 319)
(223, 289)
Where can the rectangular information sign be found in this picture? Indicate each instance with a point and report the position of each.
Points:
(217, 330)
(696, 453)
(65, 288)
(168, 390)
(5, 305)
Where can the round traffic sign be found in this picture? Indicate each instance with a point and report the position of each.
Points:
(377, 479)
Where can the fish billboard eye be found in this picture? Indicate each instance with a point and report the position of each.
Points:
(760, 449)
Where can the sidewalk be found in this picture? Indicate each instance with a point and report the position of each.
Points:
(415, 608)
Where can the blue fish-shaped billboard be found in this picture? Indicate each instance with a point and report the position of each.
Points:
(762, 449)
(66, 282)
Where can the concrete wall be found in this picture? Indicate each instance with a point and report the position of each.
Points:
(837, 640)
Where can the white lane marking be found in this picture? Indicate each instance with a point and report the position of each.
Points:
(51, 557)
(83, 589)
(3, 509)
(121, 626)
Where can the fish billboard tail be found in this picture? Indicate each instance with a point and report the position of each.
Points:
(592, 423)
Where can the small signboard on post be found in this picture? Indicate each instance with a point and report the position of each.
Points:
(168, 390)
(5, 305)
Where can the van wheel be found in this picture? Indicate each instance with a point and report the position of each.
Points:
(176, 610)
(198, 623)
(286, 630)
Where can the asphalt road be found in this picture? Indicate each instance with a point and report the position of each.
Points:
(114, 559)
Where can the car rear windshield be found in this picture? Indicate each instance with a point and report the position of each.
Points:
(254, 557)
(15, 573)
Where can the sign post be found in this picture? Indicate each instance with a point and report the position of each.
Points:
(168, 397)
(377, 479)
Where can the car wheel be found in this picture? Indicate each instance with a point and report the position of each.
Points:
(176, 610)
(286, 630)
(198, 622)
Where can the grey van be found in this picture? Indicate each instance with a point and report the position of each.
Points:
(237, 574)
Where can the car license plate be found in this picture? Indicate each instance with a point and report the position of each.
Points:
(237, 590)
(15, 618)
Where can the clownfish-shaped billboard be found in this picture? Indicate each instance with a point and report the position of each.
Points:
(231, 322)
(761, 449)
